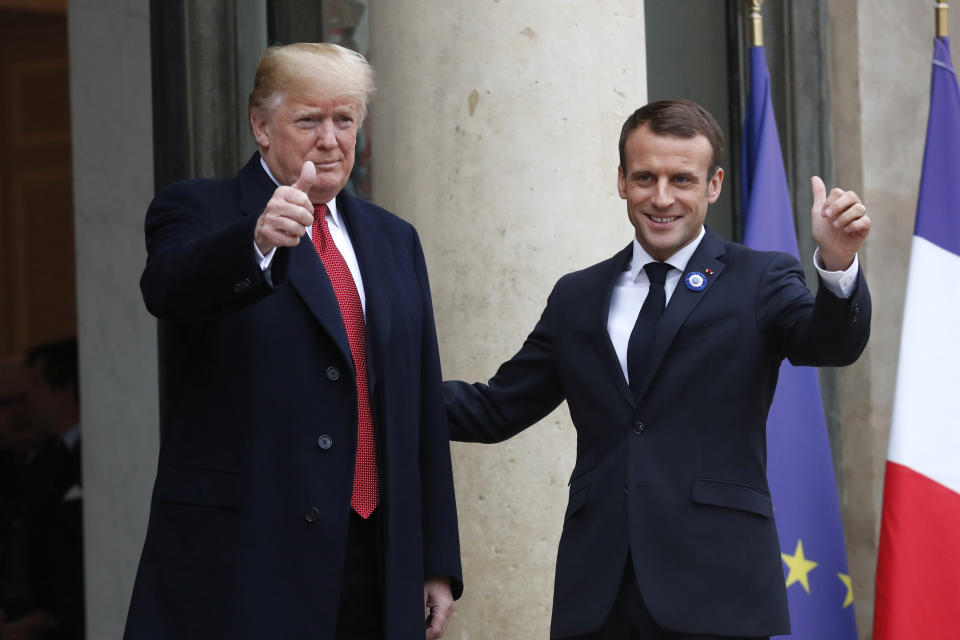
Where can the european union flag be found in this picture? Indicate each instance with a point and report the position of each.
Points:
(799, 465)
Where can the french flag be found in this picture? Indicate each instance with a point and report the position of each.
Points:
(918, 570)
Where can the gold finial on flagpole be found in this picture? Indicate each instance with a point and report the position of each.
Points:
(943, 25)
(756, 21)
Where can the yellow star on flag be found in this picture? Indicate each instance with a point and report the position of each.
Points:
(845, 579)
(799, 567)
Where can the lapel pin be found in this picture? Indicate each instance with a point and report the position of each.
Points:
(709, 272)
(695, 280)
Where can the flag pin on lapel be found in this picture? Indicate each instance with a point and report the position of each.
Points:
(695, 281)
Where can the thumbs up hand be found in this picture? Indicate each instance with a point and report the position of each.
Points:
(288, 213)
(840, 224)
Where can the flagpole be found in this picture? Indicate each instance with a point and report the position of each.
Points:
(756, 20)
(943, 26)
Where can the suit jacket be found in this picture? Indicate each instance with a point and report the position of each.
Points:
(677, 478)
(250, 508)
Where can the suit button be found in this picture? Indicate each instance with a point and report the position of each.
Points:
(312, 515)
(333, 374)
(639, 427)
(324, 442)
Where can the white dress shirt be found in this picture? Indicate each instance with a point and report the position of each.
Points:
(631, 287)
(338, 231)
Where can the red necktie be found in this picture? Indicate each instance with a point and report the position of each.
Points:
(366, 488)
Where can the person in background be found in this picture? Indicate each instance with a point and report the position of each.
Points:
(43, 589)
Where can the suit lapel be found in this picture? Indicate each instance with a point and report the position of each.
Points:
(604, 292)
(682, 303)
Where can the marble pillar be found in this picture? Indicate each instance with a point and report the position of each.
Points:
(495, 132)
(113, 183)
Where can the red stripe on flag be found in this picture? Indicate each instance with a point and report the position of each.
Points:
(918, 570)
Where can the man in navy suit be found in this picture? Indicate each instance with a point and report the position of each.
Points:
(667, 355)
(304, 486)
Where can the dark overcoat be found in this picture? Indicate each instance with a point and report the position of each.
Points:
(249, 514)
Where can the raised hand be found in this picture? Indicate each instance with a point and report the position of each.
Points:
(840, 224)
(288, 213)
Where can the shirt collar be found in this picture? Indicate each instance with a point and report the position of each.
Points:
(678, 260)
(332, 205)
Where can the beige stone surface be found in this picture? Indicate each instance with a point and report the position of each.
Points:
(495, 132)
(880, 83)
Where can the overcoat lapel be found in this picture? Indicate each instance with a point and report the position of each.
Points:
(311, 282)
(682, 303)
(306, 272)
(603, 292)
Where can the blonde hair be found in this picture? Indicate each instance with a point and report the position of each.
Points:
(311, 70)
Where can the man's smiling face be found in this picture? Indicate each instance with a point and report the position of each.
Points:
(667, 189)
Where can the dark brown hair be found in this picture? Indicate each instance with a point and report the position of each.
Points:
(681, 118)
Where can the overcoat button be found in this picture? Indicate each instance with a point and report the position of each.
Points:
(324, 442)
(312, 515)
(333, 374)
(639, 427)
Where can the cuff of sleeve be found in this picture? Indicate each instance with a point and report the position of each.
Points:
(263, 260)
(839, 283)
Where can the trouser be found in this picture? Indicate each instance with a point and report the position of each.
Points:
(360, 614)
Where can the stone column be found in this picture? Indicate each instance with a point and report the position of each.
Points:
(880, 88)
(113, 183)
(495, 132)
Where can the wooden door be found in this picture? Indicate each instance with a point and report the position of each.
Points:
(37, 265)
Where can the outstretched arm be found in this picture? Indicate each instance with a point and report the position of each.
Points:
(524, 390)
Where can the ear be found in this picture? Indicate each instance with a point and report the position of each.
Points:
(713, 186)
(621, 183)
(258, 124)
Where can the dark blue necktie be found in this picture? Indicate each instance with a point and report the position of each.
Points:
(641, 338)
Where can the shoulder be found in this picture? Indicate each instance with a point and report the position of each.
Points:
(386, 221)
(198, 192)
(250, 184)
(597, 274)
(743, 257)
(361, 205)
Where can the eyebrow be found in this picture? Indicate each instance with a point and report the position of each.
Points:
(305, 113)
(320, 111)
(685, 174)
